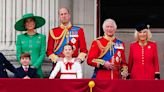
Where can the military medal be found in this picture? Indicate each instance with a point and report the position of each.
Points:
(119, 53)
(117, 59)
(118, 46)
(73, 40)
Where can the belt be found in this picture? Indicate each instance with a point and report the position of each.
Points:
(70, 73)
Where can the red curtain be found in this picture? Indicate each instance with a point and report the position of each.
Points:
(79, 85)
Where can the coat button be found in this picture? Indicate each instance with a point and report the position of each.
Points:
(30, 41)
(30, 46)
(30, 51)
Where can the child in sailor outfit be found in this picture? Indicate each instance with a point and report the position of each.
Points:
(69, 67)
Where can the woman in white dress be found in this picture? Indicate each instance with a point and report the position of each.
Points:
(69, 67)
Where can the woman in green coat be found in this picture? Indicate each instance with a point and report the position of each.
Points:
(31, 41)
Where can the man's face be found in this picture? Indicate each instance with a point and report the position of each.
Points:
(64, 16)
(109, 29)
(68, 51)
(25, 61)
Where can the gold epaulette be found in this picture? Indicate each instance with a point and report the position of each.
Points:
(152, 41)
(56, 38)
(100, 61)
(104, 49)
(62, 36)
(99, 38)
(133, 42)
(118, 38)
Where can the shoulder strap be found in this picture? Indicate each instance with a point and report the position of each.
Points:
(103, 49)
(57, 38)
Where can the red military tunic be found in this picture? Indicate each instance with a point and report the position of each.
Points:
(143, 61)
(96, 59)
(60, 36)
(77, 40)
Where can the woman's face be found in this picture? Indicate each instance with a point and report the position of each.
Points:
(30, 24)
(143, 35)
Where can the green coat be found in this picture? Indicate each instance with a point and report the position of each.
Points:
(36, 46)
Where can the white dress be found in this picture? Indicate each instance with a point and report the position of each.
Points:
(69, 70)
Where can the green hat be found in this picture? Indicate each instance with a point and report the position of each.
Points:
(39, 21)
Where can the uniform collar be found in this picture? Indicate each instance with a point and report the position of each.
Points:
(66, 27)
(109, 38)
(31, 35)
(143, 44)
(25, 66)
(65, 60)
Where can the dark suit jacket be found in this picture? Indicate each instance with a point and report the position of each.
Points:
(32, 73)
(5, 64)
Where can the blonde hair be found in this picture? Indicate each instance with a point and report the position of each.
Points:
(109, 20)
(137, 38)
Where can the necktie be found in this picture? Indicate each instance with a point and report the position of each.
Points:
(25, 68)
(69, 65)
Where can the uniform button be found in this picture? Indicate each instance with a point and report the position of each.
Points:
(30, 51)
(30, 46)
(39, 37)
(3, 64)
(4, 69)
(30, 41)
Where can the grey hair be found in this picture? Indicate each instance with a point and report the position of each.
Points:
(109, 20)
(137, 38)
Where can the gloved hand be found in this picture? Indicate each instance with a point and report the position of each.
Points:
(109, 65)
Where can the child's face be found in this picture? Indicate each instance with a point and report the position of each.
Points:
(25, 61)
(67, 51)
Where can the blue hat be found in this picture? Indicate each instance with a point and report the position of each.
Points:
(142, 26)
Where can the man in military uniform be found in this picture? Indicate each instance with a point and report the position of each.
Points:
(107, 54)
(66, 34)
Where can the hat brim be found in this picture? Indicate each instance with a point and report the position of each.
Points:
(39, 21)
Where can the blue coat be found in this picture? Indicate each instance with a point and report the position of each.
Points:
(5, 64)
(32, 73)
